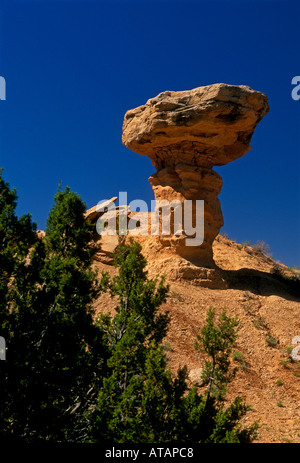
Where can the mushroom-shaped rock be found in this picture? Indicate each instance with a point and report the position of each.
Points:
(185, 134)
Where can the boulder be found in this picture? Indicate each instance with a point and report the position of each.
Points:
(186, 134)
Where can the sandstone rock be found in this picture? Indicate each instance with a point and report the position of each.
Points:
(94, 212)
(108, 244)
(207, 126)
(185, 134)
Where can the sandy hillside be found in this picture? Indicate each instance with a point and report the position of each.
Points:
(266, 299)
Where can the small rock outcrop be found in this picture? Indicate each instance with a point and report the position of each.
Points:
(186, 134)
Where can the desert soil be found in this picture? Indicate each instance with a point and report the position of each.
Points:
(269, 318)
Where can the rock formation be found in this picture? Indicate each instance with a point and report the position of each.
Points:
(185, 134)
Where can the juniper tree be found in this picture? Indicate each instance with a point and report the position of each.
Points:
(55, 350)
(136, 402)
(207, 419)
(217, 341)
(16, 236)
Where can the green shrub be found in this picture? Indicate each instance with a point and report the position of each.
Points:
(238, 356)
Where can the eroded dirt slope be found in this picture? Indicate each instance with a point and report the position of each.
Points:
(266, 300)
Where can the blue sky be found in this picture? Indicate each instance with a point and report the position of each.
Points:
(73, 68)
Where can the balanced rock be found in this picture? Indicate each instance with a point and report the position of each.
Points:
(185, 134)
